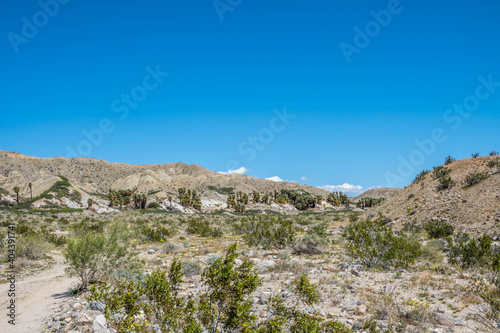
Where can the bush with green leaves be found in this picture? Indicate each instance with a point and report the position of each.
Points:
(467, 252)
(376, 244)
(475, 178)
(202, 228)
(93, 256)
(445, 182)
(494, 163)
(439, 229)
(440, 171)
(421, 176)
(449, 160)
(224, 305)
(269, 232)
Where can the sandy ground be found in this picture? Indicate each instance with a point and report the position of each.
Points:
(37, 297)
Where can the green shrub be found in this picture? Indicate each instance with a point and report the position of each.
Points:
(440, 171)
(269, 232)
(449, 160)
(93, 257)
(376, 244)
(433, 251)
(494, 163)
(474, 178)
(439, 229)
(202, 228)
(32, 246)
(154, 205)
(190, 268)
(445, 182)
(421, 176)
(467, 252)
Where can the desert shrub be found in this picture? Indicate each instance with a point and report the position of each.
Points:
(494, 163)
(268, 232)
(440, 171)
(433, 251)
(32, 246)
(494, 153)
(487, 313)
(445, 182)
(171, 248)
(154, 205)
(439, 229)
(376, 244)
(190, 268)
(202, 228)
(467, 252)
(93, 257)
(86, 226)
(421, 176)
(158, 234)
(224, 306)
(474, 178)
(221, 190)
(400, 313)
(449, 160)
(475, 155)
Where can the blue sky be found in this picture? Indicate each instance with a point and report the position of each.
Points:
(287, 89)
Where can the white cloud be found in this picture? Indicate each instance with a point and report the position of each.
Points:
(346, 188)
(304, 178)
(278, 179)
(275, 179)
(240, 170)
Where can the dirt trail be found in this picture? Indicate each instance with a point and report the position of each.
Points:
(38, 297)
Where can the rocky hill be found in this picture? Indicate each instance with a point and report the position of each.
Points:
(465, 193)
(93, 178)
(377, 193)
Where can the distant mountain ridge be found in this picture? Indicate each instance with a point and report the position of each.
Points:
(93, 177)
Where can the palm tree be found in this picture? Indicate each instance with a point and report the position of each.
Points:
(89, 203)
(31, 189)
(170, 200)
(16, 190)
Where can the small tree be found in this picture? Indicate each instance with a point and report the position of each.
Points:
(94, 256)
(30, 185)
(90, 202)
(16, 190)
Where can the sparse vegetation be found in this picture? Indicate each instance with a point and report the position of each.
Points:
(438, 229)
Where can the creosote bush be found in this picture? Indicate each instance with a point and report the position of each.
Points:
(94, 256)
(223, 306)
(376, 244)
(439, 229)
(474, 178)
(268, 232)
(467, 252)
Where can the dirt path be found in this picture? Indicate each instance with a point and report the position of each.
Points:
(38, 297)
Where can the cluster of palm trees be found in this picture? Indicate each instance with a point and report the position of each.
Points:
(17, 189)
(300, 199)
(188, 198)
(369, 202)
(125, 198)
(338, 199)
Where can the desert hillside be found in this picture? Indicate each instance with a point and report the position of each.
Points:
(93, 178)
(471, 202)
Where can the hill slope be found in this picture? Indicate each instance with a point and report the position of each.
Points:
(470, 208)
(95, 177)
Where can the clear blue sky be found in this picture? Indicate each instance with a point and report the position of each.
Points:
(353, 121)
